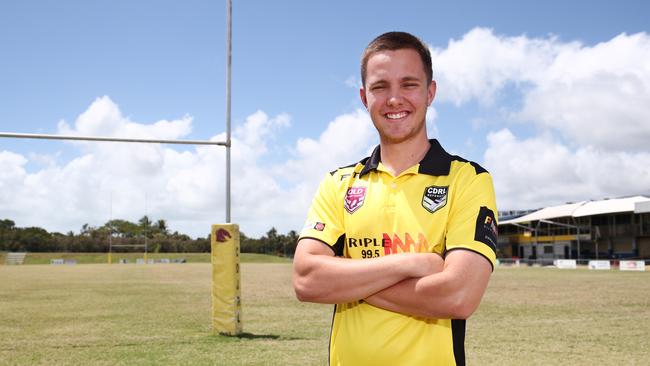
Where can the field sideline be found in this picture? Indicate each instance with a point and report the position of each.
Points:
(160, 314)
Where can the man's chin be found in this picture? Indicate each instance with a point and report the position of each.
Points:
(395, 139)
(398, 138)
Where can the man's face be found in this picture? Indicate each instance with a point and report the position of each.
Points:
(397, 95)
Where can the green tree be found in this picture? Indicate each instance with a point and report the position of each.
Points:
(161, 227)
(7, 233)
(35, 239)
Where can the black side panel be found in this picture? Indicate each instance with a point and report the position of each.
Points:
(329, 344)
(338, 246)
(458, 336)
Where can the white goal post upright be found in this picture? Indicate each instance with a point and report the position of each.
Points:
(224, 238)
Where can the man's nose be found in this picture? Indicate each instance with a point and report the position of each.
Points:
(394, 99)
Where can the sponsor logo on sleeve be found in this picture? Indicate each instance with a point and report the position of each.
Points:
(354, 198)
(486, 228)
(315, 225)
(434, 198)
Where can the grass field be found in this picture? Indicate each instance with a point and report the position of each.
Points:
(160, 315)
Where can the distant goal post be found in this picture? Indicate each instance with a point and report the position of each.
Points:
(111, 246)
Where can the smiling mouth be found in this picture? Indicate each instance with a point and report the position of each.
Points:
(399, 115)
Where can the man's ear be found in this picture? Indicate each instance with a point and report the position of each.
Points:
(362, 94)
(431, 92)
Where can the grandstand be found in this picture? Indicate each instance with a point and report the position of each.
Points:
(606, 229)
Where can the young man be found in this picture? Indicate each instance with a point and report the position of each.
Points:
(404, 241)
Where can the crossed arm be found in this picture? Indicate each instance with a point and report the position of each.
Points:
(420, 284)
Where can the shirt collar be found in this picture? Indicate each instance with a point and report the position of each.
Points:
(436, 162)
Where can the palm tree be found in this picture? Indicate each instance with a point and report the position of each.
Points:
(161, 225)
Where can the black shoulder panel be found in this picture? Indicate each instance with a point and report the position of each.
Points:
(479, 169)
(348, 166)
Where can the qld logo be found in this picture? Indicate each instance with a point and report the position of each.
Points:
(354, 198)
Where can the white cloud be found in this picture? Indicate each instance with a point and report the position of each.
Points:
(432, 128)
(481, 64)
(103, 118)
(597, 95)
(187, 188)
(345, 140)
(589, 106)
(539, 171)
(593, 95)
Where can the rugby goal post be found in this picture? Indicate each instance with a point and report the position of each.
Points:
(225, 251)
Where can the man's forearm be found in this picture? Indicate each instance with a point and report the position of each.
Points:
(336, 280)
(321, 277)
(407, 297)
(453, 293)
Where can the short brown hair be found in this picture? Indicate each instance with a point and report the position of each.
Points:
(393, 41)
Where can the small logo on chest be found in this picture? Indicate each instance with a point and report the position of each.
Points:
(434, 198)
(354, 198)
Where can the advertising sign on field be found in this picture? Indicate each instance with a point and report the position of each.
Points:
(599, 265)
(565, 263)
(632, 266)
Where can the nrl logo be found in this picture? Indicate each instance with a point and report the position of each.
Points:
(354, 198)
(434, 198)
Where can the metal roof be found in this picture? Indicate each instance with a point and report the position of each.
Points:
(581, 209)
(609, 206)
(642, 207)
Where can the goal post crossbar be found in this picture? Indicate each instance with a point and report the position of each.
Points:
(109, 139)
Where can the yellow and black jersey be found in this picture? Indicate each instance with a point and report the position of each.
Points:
(444, 203)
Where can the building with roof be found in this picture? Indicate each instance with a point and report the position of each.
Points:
(605, 229)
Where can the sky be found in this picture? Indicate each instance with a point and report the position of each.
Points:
(553, 98)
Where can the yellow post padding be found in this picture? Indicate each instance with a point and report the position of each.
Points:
(226, 293)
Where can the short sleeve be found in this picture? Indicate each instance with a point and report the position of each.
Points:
(472, 221)
(325, 217)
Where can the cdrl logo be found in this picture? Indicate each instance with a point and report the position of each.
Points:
(434, 198)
